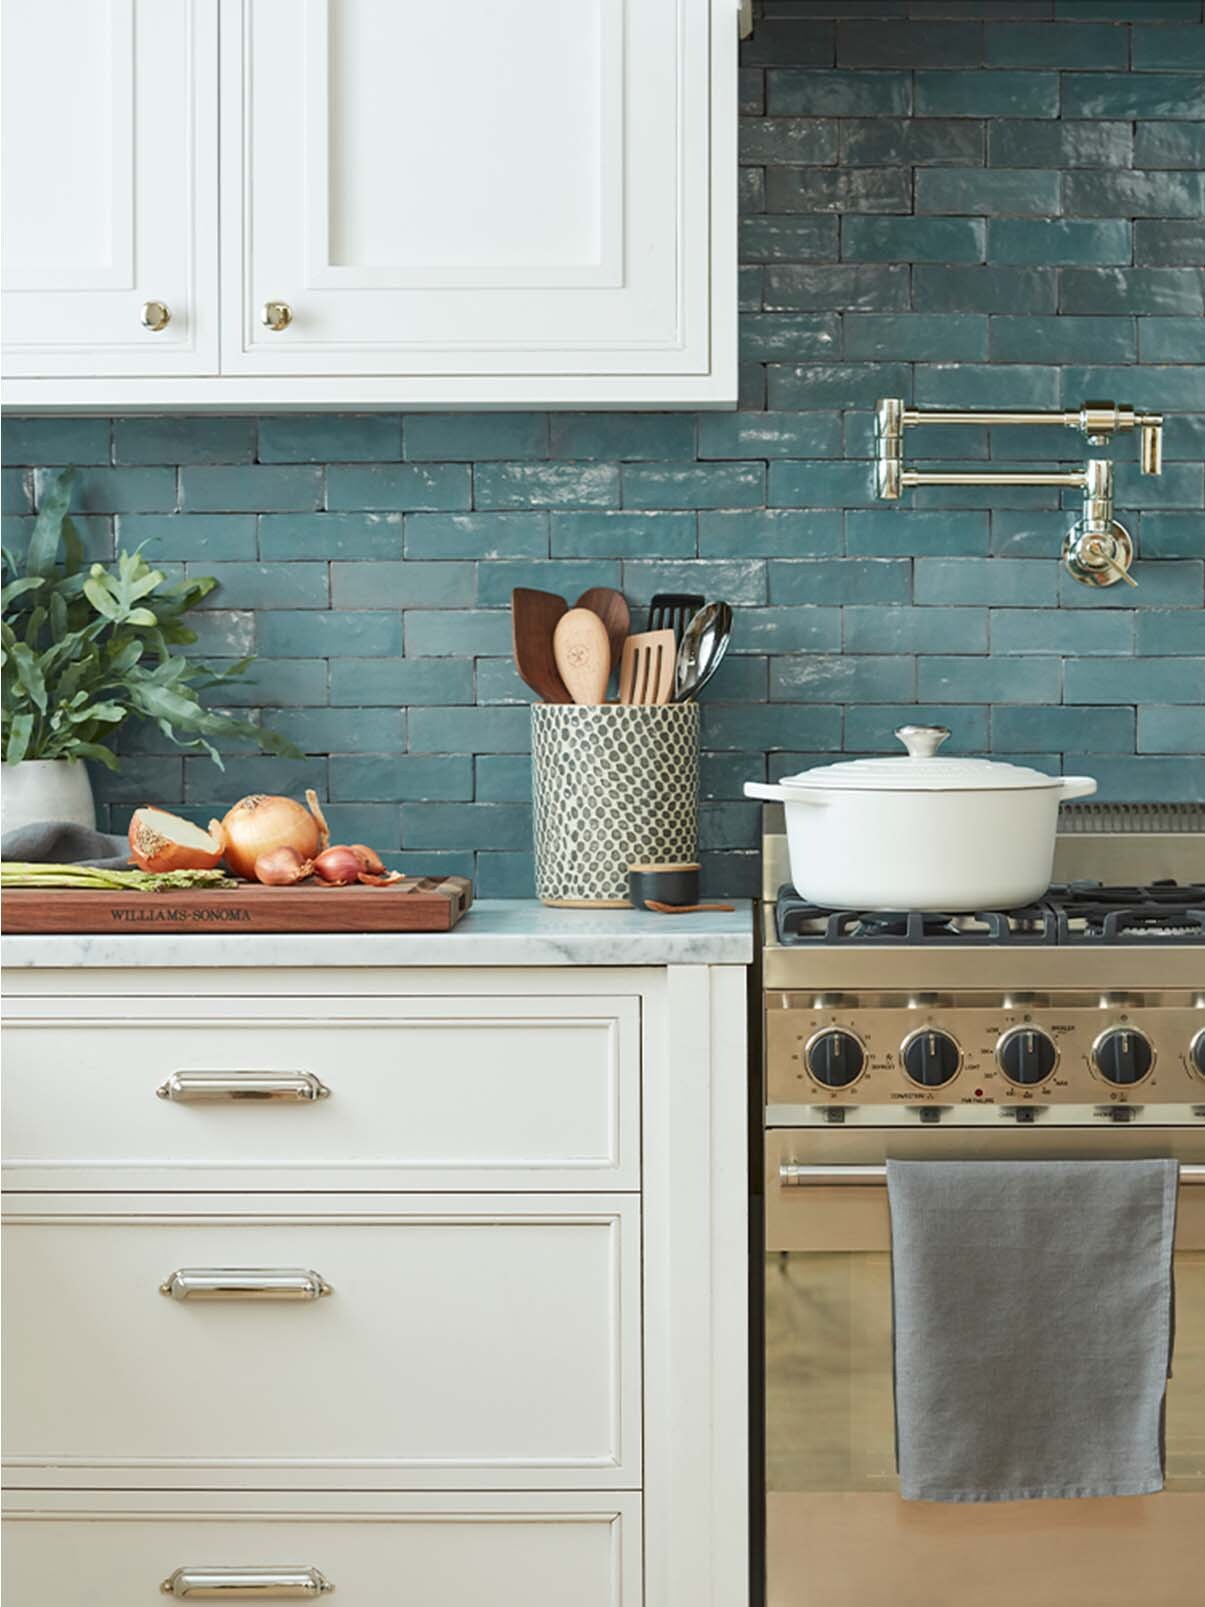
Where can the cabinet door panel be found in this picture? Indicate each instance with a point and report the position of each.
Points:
(529, 198)
(110, 186)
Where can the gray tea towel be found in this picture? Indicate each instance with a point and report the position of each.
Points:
(1033, 1326)
(61, 842)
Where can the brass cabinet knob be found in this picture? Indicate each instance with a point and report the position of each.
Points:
(156, 315)
(277, 315)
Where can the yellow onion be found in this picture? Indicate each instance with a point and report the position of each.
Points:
(161, 842)
(261, 823)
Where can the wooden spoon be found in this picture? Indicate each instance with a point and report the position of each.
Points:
(682, 909)
(612, 608)
(583, 655)
(534, 617)
(646, 671)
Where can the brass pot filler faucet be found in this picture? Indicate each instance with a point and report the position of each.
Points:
(1097, 550)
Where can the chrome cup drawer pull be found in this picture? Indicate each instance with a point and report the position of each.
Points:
(244, 1283)
(196, 1087)
(251, 1584)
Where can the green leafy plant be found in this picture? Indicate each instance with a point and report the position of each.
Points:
(86, 648)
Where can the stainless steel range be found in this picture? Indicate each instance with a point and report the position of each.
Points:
(1073, 1027)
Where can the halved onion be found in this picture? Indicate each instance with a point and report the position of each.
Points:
(160, 841)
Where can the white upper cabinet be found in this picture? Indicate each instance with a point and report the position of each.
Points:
(493, 203)
(110, 189)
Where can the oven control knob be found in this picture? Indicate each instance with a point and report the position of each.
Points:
(1026, 1055)
(930, 1057)
(835, 1058)
(1196, 1053)
(1123, 1055)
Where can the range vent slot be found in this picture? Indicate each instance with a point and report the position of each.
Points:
(1095, 819)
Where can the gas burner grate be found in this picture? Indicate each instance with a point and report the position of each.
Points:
(1082, 913)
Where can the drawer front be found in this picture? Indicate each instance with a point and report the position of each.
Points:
(469, 1341)
(521, 1551)
(416, 1093)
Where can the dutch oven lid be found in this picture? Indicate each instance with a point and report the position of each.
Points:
(921, 771)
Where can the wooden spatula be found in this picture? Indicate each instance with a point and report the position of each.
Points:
(612, 608)
(583, 655)
(646, 671)
(534, 617)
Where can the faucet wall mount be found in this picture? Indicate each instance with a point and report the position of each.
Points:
(1098, 550)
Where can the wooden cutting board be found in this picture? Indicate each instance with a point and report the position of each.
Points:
(418, 904)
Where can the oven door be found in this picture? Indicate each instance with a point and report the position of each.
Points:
(837, 1533)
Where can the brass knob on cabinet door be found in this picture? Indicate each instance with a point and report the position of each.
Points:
(156, 315)
(277, 315)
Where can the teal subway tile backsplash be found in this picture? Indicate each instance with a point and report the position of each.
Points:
(964, 203)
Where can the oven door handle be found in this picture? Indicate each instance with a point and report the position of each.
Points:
(792, 1175)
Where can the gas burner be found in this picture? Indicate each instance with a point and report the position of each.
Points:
(1081, 913)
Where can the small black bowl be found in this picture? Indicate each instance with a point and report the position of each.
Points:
(667, 884)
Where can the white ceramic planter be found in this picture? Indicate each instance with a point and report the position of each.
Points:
(922, 833)
(46, 789)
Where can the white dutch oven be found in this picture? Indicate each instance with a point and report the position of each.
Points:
(922, 833)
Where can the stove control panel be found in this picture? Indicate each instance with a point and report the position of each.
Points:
(1100, 1054)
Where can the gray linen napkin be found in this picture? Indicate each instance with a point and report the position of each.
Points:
(1033, 1326)
(61, 842)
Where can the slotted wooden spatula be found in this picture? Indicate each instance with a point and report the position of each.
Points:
(646, 670)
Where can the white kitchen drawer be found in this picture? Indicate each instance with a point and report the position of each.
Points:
(479, 1341)
(425, 1093)
(525, 1550)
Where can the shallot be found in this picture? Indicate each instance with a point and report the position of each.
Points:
(338, 865)
(281, 867)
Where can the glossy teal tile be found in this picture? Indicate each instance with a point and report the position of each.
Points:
(100, 490)
(829, 581)
(916, 142)
(287, 536)
(769, 435)
(820, 484)
(248, 585)
(845, 190)
(816, 678)
(1172, 340)
(297, 633)
(770, 533)
(546, 485)
(477, 535)
(870, 629)
(699, 485)
(400, 584)
(1171, 632)
(1171, 584)
(440, 633)
(397, 487)
(1133, 95)
(1136, 680)
(1079, 635)
(871, 727)
(751, 91)
(334, 731)
(502, 778)
(773, 336)
(1148, 779)
(910, 44)
(790, 92)
(1134, 195)
(811, 140)
(568, 577)
(1172, 244)
(506, 875)
(944, 240)
(394, 683)
(180, 537)
(451, 825)
(244, 774)
(498, 681)
(468, 436)
(38, 441)
(1128, 10)
(741, 581)
(772, 726)
(1038, 143)
(1057, 242)
(993, 94)
(1017, 192)
(1168, 729)
(279, 683)
(904, 531)
(1169, 145)
(240, 488)
(1081, 45)
(989, 680)
(614, 533)
(787, 630)
(1176, 50)
(327, 438)
(918, 336)
(1161, 388)
(979, 385)
(848, 287)
(1065, 730)
(828, 385)
(805, 39)
(622, 435)
(407, 777)
(1065, 340)
(987, 289)
(468, 730)
(993, 582)
(788, 239)
(1172, 535)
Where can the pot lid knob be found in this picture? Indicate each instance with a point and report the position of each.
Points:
(922, 741)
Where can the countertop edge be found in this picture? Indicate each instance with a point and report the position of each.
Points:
(495, 932)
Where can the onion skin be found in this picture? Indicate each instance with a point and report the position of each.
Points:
(386, 880)
(260, 823)
(153, 852)
(338, 865)
(370, 860)
(281, 867)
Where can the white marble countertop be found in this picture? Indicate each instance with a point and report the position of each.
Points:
(494, 932)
